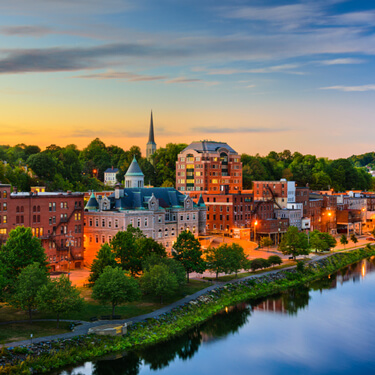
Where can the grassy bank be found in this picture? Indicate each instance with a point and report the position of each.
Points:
(178, 320)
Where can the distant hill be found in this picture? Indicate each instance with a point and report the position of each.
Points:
(363, 160)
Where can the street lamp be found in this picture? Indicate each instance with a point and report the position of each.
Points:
(255, 231)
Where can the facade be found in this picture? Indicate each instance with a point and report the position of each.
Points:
(55, 218)
(281, 192)
(293, 215)
(151, 145)
(209, 167)
(110, 176)
(161, 214)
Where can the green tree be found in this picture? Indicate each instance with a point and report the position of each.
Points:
(159, 280)
(58, 296)
(321, 241)
(294, 243)
(115, 287)
(21, 250)
(344, 240)
(353, 238)
(105, 257)
(215, 260)
(259, 263)
(27, 286)
(187, 250)
(274, 260)
(235, 259)
(175, 267)
(266, 242)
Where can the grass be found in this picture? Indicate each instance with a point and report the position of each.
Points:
(245, 274)
(21, 331)
(92, 308)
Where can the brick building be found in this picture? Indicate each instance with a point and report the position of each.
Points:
(210, 167)
(55, 218)
(281, 192)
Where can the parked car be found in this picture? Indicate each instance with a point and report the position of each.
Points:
(370, 239)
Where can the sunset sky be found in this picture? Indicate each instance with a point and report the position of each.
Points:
(260, 75)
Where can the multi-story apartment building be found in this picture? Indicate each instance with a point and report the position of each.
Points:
(55, 218)
(282, 192)
(209, 166)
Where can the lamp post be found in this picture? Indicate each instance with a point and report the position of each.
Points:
(255, 231)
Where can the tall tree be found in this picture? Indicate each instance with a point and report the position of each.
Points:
(114, 287)
(58, 296)
(187, 250)
(294, 243)
(105, 257)
(159, 280)
(27, 286)
(21, 250)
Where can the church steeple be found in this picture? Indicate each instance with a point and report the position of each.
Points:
(151, 145)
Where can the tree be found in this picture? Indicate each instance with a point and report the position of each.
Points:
(175, 267)
(27, 286)
(266, 242)
(321, 241)
(236, 259)
(344, 240)
(259, 263)
(21, 250)
(353, 238)
(58, 296)
(125, 249)
(115, 287)
(294, 243)
(105, 257)
(159, 280)
(215, 260)
(187, 250)
(132, 248)
(274, 260)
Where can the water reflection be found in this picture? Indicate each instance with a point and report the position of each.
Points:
(259, 332)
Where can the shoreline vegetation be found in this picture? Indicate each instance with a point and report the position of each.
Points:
(48, 356)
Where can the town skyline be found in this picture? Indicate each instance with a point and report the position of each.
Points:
(264, 76)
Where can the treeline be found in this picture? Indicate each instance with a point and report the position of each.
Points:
(317, 173)
(67, 168)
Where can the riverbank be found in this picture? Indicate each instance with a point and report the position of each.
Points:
(54, 354)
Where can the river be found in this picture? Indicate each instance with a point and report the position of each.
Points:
(328, 328)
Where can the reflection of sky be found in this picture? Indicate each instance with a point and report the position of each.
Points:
(335, 333)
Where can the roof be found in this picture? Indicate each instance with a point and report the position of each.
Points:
(111, 170)
(137, 198)
(208, 146)
(134, 169)
(151, 138)
(92, 204)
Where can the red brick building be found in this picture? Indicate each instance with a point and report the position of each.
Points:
(281, 192)
(210, 167)
(55, 218)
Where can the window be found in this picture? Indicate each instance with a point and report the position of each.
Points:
(116, 223)
(97, 238)
(146, 221)
(54, 219)
(109, 223)
(166, 232)
(90, 222)
(160, 234)
(90, 238)
(138, 222)
(96, 222)
(103, 239)
(61, 205)
(53, 206)
(4, 206)
(172, 232)
(5, 194)
(103, 222)
(50, 207)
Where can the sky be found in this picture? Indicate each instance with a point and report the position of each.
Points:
(262, 76)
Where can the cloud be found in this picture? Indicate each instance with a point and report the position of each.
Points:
(342, 61)
(90, 133)
(34, 31)
(220, 130)
(184, 80)
(285, 68)
(133, 77)
(362, 88)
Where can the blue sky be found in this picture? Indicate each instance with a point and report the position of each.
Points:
(261, 75)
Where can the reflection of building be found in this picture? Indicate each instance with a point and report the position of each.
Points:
(161, 213)
(55, 218)
(271, 305)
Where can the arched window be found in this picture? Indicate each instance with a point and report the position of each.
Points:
(160, 234)
(166, 232)
(17, 209)
(34, 208)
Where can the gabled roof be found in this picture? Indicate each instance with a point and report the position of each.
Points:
(111, 170)
(134, 169)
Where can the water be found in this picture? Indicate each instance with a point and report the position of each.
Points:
(327, 329)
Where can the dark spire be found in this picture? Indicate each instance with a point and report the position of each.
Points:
(151, 138)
